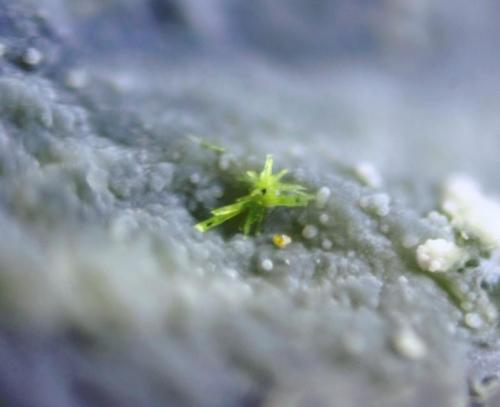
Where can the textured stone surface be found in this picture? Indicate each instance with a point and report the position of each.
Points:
(109, 296)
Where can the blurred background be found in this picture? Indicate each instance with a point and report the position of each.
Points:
(417, 70)
(415, 35)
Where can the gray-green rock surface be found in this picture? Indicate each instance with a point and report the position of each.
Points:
(386, 295)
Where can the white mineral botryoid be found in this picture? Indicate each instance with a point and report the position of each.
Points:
(408, 344)
(33, 56)
(326, 244)
(324, 218)
(310, 232)
(473, 320)
(267, 265)
(195, 178)
(438, 255)
(438, 219)
(490, 269)
(379, 204)
(368, 174)
(76, 78)
(471, 211)
(322, 196)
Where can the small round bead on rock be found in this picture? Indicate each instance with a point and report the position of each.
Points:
(326, 244)
(409, 345)
(322, 196)
(310, 232)
(32, 57)
(324, 218)
(266, 265)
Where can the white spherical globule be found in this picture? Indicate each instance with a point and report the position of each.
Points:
(438, 255)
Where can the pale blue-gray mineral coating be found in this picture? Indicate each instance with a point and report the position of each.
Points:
(110, 297)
